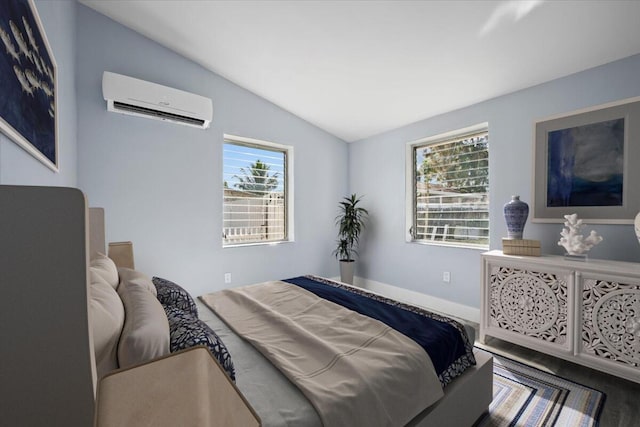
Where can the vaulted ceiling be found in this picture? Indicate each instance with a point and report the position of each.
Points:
(359, 68)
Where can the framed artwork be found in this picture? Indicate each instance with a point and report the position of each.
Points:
(28, 105)
(588, 162)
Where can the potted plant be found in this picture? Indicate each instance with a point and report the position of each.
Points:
(350, 224)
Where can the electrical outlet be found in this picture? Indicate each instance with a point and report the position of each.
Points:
(446, 277)
(227, 278)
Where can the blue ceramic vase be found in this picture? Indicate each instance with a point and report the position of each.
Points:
(515, 213)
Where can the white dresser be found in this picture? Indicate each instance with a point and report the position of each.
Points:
(586, 312)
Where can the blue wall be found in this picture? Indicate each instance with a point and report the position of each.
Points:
(161, 183)
(387, 258)
(16, 165)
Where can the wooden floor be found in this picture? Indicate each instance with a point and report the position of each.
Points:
(622, 404)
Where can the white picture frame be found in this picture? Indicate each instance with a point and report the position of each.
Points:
(28, 82)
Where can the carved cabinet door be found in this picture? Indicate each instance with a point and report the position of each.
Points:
(531, 307)
(610, 322)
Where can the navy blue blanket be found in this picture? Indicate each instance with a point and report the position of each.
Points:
(444, 339)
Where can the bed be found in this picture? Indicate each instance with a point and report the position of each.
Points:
(457, 394)
(49, 276)
(465, 398)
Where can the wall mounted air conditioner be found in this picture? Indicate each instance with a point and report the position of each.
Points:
(128, 95)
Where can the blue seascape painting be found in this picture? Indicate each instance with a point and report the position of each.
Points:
(586, 165)
(27, 76)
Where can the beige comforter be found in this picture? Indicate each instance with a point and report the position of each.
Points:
(353, 369)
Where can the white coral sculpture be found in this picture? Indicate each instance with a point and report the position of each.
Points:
(573, 242)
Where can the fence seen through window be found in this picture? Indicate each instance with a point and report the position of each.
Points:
(451, 193)
(255, 203)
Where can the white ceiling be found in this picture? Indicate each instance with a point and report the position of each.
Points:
(359, 68)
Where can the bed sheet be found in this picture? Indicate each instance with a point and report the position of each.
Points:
(276, 400)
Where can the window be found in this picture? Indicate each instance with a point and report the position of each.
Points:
(257, 192)
(448, 189)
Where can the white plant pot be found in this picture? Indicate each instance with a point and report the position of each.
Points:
(346, 271)
(636, 226)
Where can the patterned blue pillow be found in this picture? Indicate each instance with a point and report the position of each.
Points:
(188, 331)
(172, 295)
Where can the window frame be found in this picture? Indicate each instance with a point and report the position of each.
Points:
(410, 185)
(288, 187)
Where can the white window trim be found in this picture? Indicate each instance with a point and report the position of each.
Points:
(289, 185)
(410, 203)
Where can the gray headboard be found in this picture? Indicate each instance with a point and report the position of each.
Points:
(46, 353)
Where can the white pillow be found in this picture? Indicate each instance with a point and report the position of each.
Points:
(105, 268)
(107, 319)
(134, 277)
(145, 335)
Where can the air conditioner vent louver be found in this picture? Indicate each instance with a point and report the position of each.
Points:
(156, 113)
(128, 95)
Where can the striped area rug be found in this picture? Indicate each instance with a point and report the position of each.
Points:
(526, 396)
